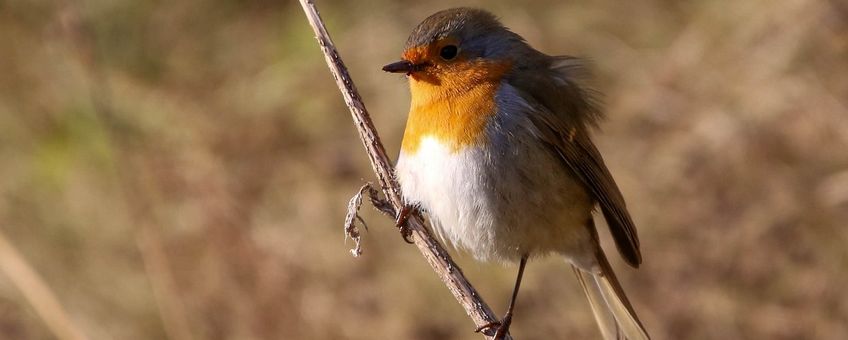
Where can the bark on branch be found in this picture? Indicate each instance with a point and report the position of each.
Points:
(435, 254)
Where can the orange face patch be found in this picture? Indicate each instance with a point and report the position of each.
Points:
(428, 53)
(452, 101)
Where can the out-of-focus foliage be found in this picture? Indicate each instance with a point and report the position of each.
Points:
(181, 169)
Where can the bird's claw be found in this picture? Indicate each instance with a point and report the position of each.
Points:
(402, 225)
(487, 326)
(501, 327)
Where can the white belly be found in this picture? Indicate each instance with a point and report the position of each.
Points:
(451, 188)
(499, 205)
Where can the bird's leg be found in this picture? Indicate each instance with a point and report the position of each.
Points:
(400, 222)
(503, 325)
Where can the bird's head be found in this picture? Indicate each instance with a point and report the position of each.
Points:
(459, 46)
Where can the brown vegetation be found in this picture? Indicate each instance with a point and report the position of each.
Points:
(182, 169)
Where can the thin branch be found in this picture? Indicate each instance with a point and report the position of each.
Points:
(435, 254)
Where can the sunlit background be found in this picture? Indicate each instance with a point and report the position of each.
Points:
(180, 170)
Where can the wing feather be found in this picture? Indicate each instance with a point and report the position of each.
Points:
(563, 110)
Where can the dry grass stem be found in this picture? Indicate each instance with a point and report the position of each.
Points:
(37, 293)
(171, 308)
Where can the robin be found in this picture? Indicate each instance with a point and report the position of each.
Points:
(497, 154)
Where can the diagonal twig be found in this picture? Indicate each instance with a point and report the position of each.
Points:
(435, 254)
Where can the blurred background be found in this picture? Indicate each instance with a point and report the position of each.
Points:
(181, 169)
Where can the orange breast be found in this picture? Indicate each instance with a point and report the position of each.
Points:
(453, 105)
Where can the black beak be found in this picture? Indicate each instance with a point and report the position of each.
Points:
(402, 66)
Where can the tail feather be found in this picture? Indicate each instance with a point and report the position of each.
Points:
(613, 312)
(604, 317)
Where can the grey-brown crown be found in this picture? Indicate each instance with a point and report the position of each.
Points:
(477, 30)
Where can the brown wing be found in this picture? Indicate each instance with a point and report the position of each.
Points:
(584, 159)
(562, 110)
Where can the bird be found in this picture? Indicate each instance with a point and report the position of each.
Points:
(497, 154)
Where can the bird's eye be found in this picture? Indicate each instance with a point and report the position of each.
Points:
(448, 52)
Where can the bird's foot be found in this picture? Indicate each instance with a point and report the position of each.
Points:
(402, 225)
(501, 327)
